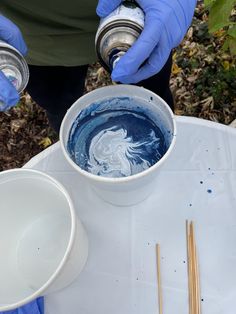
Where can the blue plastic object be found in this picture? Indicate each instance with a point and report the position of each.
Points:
(34, 307)
(10, 34)
(166, 23)
(8, 94)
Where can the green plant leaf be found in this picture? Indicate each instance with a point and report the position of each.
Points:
(226, 44)
(208, 3)
(219, 14)
(232, 31)
(232, 46)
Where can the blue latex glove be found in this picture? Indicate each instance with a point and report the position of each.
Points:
(34, 307)
(10, 34)
(166, 22)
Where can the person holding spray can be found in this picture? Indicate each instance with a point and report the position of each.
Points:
(165, 25)
(60, 38)
(11, 34)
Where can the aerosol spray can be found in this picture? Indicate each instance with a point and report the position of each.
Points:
(117, 32)
(14, 66)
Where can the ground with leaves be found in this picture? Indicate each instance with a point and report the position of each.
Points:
(203, 84)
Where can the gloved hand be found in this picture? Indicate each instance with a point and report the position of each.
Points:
(166, 22)
(10, 34)
(34, 307)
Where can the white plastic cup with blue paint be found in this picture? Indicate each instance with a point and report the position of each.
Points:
(118, 138)
(43, 244)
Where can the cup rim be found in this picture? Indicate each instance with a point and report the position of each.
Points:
(130, 178)
(69, 246)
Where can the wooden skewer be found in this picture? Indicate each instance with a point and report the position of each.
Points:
(193, 271)
(193, 267)
(198, 288)
(196, 272)
(190, 297)
(158, 261)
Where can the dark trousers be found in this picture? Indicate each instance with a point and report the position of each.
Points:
(56, 88)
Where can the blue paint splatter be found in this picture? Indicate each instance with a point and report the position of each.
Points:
(209, 191)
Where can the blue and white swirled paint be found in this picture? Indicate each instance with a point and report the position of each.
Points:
(113, 141)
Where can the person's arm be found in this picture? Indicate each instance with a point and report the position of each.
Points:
(166, 23)
(10, 34)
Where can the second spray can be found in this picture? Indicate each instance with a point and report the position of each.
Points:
(117, 32)
(14, 67)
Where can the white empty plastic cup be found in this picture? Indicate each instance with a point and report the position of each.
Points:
(132, 189)
(43, 245)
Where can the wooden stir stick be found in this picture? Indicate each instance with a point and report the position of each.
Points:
(193, 271)
(158, 261)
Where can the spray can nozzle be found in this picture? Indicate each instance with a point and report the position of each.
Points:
(114, 57)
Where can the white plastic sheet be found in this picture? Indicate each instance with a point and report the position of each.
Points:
(198, 182)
